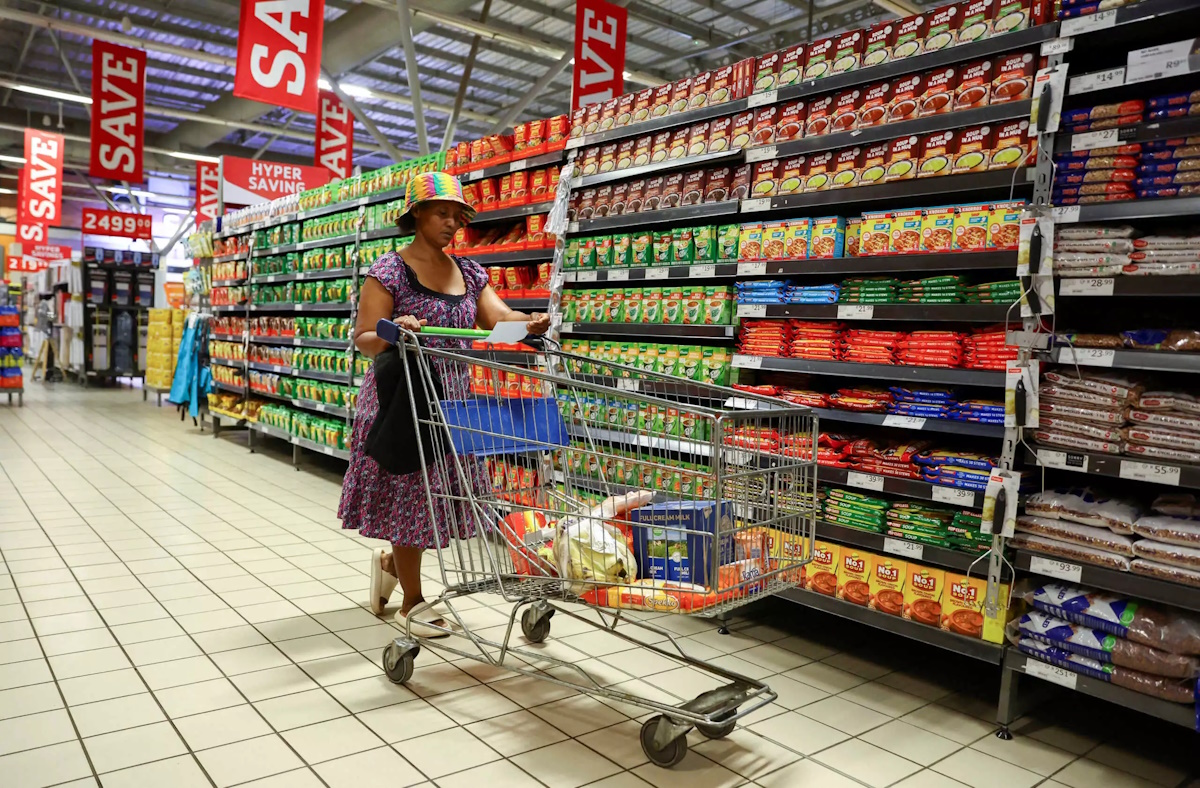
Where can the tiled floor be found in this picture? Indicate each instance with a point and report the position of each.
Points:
(175, 611)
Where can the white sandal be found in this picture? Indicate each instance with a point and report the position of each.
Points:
(422, 630)
(382, 583)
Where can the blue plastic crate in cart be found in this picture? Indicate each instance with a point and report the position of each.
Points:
(486, 427)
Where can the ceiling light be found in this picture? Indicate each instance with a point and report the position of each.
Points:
(193, 156)
(54, 94)
(8, 191)
(323, 84)
(13, 159)
(176, 211)
(357, 91)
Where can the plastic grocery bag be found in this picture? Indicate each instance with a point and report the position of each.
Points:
(589, 550)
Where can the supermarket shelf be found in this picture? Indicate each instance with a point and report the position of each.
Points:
(1156, 286)
(313, 213)
(647, 330)
(380, 233)
(228, 282)
(1106, 20)
(908, 488)
(527, 304)
(235, 418)
(1181, 207)
(664, 388)
(278, 369)
(669, 444)
(516, 212)
(530, 163)
(301, 307)
(319, 243)
(1153, 360)
(230, 387)
(328, 451)
(525, 257)
(671, 121)
(1124, 467)
(300, 276)
(311, 374)
(272, 432)
(229, 258)
(228, 362)
(913, 551)
(964, 313)
(1126, 583)
(725, 156)
(227, 337)
(1142, 132)
(1001, 259)
(328, 344)
(996, 182)
(1177, 713)
(680, 215)
(225, 309)
(911, 423)
(997, 113)
(976, 649)
(305, 404)
(893, 372)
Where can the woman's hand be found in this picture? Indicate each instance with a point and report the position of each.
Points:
(539, 325)
(410, 323)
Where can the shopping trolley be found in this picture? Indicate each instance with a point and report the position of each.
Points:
(611, 493)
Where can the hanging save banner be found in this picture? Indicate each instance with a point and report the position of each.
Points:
(41, 202)
(118, 111)
(279, 52)
(115, 223)
(208, 190)
(599, 71)
(335, 136)
(252, 181)
(28, 232)
(38, 257)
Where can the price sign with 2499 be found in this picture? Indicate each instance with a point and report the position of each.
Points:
(116, 223)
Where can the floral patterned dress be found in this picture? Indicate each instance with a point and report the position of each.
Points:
(383, 505)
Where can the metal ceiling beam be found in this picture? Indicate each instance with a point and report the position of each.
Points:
(412, 71)
(675, 21)
(20, 62)
(536, 90)
(364, 119)
(464, 80)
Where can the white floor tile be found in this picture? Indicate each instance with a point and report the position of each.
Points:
(35, 730)
(45, 766)
(446, 752)
(866, 763)
(515, 733)
(325, 741)
(117, 714)
(179, 772)
(248, 760)
(567, 764)
(132, 746)
(225, 726)
(979, 770)
(382, 767)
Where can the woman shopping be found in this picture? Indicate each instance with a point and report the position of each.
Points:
(418, 285)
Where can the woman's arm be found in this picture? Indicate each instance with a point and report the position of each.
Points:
(375, 303)
(491, 309)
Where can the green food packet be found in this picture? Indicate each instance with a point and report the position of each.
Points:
(683, 247)
(633, 301)
(587, 253)
(727, 241)
(663, 248)
(706, 243)
(615, 300)
(652, 306)
(604, 252)
(622, 250)
(641, 250)
(672, 305)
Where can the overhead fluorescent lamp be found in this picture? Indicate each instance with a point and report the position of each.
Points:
(323, 84)
(13, 159)
(193, 156)
(54, 94)
(357, 91)
(8, 191)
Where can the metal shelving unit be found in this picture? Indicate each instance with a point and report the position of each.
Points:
(850, 369)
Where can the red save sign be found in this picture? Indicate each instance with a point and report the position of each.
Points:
(335, 136)
(599, 73)
(279, 52)
(208, 190)
(28, 232)
(42, 201)
(251, 181)
(116, 223)
(118, 111)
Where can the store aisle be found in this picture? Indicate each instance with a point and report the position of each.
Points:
(177, 611)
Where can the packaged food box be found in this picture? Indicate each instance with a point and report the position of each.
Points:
(790, 125)
(786, 551)
(652, 199)
(741, 130)
(741, 182)
(937, 153)
(975, 20)
(706, 243)
(765, 72)
(1013, 15)
(678, 147)
(878, 43)
(822, 573)
(886, 584)
(854, 574)
(820, 116)
(964, 612)
(845, 110)
(587, 253)
(906, 231)
(937, 229)
(766, 178)
(791, 65)
(1012, 77)
(718, 310)
(765, 121)
(697, 140)
(637, 196)
(641, 249)
(974, 149)
(791, 175)
(672, 194)
(845, 168)
(820, 172)
(603, 201)
(693, 187)
(974, 86)
(719, 89)
(578, 119)
(905, 102)
(604, 252)
(797, 238)
(1011, 145)
(728, 241)
(847, 51)
(664, 247)
(828, 237)
(608, 114)
(643, 101)
(1004, 228)
(938, 96)
(622, 250)
(923, 594)
(678, 541)
(943, 24)
(750, 245)
(660, 146)
(874, 163)
(819, 59)
(718, 135)
(717, 184)
(909, 36)
(902, 158)
(589, 161)
(642, 147)
(591, 125)
(701, 83)
(971, 227)
(853, 235)
(873, 110)
(774, 240)
(681, 93)
(662, 100)
(876, 234)
(683, 245)
(625, 153)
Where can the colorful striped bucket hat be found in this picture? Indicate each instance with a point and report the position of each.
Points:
(430, 186)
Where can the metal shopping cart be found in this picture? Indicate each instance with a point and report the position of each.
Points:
(611, 494)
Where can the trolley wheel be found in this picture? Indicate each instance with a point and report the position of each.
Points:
(668, 756)
(718, 731)
(398, 666)
(535, 630)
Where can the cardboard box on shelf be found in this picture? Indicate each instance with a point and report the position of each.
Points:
(854, 574)
(923, 594)
(889, 576)
(964, 612)
(822, 573)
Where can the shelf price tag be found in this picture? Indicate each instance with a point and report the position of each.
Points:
(904, 548)
(752, 310)
(327, 450)
(1094, 139)
(1103, 286)
(628, 384)
(905, 422)
(765, 153)
(756, 205)
(1052, 673)
(1158, 62)
(1051, 567)
(573, 227)
(586, 276)
(747, 362)
(1150, 472)
(866, 481)
(762, 99)
(953, 495)
(618, 275)
(1088, 357)
(751, 269)
(659, 272)
(1057, 46)
(1065, 214)
(518, 165)
(1061, 459)
(1088, 24)
(855, 312)
(1098, 80)
(702, 271)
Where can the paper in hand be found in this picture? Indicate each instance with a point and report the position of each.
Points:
(508, 332)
